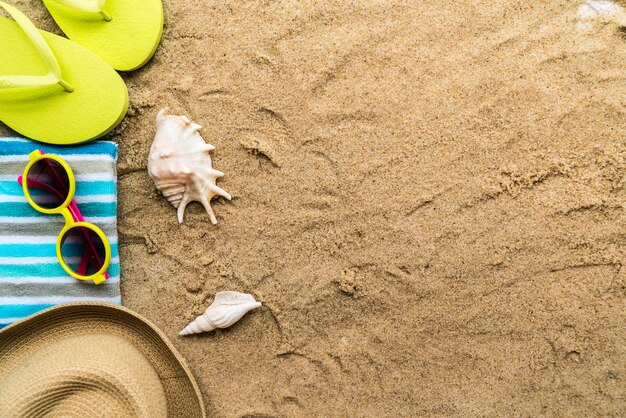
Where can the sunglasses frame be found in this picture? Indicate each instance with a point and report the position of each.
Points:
(36, 156)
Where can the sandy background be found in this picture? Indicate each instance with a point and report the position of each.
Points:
(428, 200)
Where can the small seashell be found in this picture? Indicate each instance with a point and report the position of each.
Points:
(595, 8)
(227, 308)
(180, 164)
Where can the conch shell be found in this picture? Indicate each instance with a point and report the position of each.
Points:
(180, 165)
(227, 308)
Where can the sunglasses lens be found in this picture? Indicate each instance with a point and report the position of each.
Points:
(83, 250)
(48, 183)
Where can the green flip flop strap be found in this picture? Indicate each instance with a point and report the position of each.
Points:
(91, 6)
(40, 44)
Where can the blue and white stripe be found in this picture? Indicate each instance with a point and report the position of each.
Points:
(31, 278)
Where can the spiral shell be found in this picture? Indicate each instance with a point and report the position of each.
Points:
(180, 164)
(227, 308)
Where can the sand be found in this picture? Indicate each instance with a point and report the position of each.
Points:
(428, 200)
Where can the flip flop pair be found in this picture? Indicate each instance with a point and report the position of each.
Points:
(63, 91)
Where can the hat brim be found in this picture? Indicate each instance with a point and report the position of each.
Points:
(183, 396)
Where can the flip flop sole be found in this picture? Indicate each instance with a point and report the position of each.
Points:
(50, 114)
(127, 42)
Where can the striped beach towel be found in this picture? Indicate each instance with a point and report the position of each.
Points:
(31, 278)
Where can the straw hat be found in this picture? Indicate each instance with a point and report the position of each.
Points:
(93, 360)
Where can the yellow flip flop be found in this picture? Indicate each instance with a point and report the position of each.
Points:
(124, 33)
(79, 98)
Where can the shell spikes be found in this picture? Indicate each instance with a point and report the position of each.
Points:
(180, 164)
(227, 308)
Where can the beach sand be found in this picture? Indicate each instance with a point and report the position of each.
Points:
(428, 200)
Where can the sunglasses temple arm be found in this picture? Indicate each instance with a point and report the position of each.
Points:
(39, 185)
(57, 179)
(73, 207)
(90, 255)
(85, 259)
(82, 267)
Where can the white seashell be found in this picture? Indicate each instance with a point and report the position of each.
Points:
(180, 165)
(594, 8)
(227, 308)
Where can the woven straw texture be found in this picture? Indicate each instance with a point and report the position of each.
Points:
(93, 359)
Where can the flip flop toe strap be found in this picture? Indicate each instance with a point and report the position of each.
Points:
(91, 6)
(54, 75)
